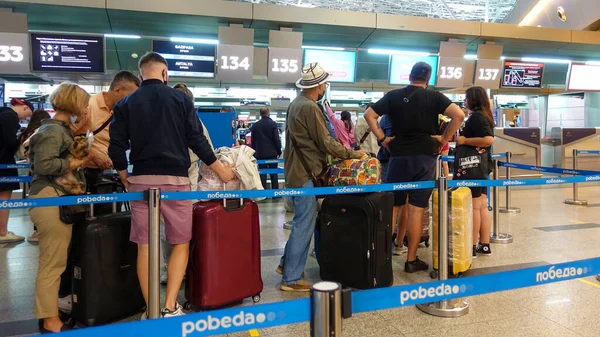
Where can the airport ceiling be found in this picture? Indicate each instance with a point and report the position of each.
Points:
(352, 34)
(467, 10)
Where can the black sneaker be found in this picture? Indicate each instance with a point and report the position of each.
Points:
(474, 252)
(484, 249)
(415, 266)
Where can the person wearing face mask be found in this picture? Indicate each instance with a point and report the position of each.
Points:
(159, 124)
(98, 122)
(9, 125)
(50, 155)
(307, 145)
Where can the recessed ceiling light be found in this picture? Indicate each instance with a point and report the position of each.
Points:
(134, 55)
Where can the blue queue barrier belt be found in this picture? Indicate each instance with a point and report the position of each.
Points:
(20, 179)
(548, 169)
(269, 161)
(494, 156)
(587, 152)
(14, 166)
(271, 171)
(261, 316)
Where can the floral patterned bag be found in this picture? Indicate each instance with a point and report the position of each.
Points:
(352, 172)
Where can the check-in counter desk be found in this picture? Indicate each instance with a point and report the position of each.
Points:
(558, 150)
(525, 146)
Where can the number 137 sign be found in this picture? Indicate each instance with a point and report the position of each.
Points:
(235, 63)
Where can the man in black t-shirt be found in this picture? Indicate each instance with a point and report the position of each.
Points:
(413, 112)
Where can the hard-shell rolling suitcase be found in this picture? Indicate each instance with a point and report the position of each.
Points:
(224, 264)
(105, 282)
(460, 231)
(356, 240)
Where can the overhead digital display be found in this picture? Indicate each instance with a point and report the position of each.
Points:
(187, 59)
(340, 64)
(401, 66)
(67, 53)
(583, 77)
(522, 74)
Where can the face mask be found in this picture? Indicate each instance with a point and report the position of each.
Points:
(165, 78)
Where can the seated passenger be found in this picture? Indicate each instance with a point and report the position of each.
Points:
(159, 124)
(478, 132)
(413, 112)
(50, 155)
(308, 141)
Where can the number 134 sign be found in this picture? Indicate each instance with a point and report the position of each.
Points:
(235, 63)
(14, 53)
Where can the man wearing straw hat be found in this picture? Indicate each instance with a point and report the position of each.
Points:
(307, 145)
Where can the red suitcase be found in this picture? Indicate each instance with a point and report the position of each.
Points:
(224, 265)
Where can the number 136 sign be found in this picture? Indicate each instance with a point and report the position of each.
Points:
(235, 63)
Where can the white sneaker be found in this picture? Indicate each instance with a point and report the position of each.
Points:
(11, 237)
(288, 225)
(144, 316)
(166, 313)
(399, 250)
(34, 238)
(65, 304)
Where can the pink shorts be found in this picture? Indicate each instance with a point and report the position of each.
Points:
(177, 215)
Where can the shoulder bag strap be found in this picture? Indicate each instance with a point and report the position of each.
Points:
(102, 127)
(364, 137)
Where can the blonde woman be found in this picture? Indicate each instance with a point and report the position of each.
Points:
(49, 153)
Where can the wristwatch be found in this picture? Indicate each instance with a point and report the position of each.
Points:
(382, 139)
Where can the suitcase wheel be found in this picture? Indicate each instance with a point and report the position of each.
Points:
(490, 208)
(189, 306)
(256, 298)
(434, 274)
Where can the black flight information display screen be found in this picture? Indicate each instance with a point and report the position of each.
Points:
(522, 74)
(187, 59)
(67, 53)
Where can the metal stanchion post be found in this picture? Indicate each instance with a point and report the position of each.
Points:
(154, 253)
(326, 310)
(509, 208)
(444, 308)
(496, 236)
(575, 200)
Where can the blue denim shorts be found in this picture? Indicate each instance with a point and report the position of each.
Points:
(407, 169)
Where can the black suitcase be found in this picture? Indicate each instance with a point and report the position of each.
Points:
(105, 282)
(355, 238)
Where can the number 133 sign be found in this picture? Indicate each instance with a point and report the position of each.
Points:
(235, 63)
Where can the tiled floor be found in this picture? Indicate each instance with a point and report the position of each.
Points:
(561, 309)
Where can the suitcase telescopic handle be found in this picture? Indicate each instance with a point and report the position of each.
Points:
(225, 199)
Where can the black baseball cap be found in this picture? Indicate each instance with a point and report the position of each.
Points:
(421, 72)
(18, 101)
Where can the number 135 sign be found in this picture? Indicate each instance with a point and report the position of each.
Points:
(235, 63)
(284, 65)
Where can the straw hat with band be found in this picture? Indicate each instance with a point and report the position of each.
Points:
(313, 75)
